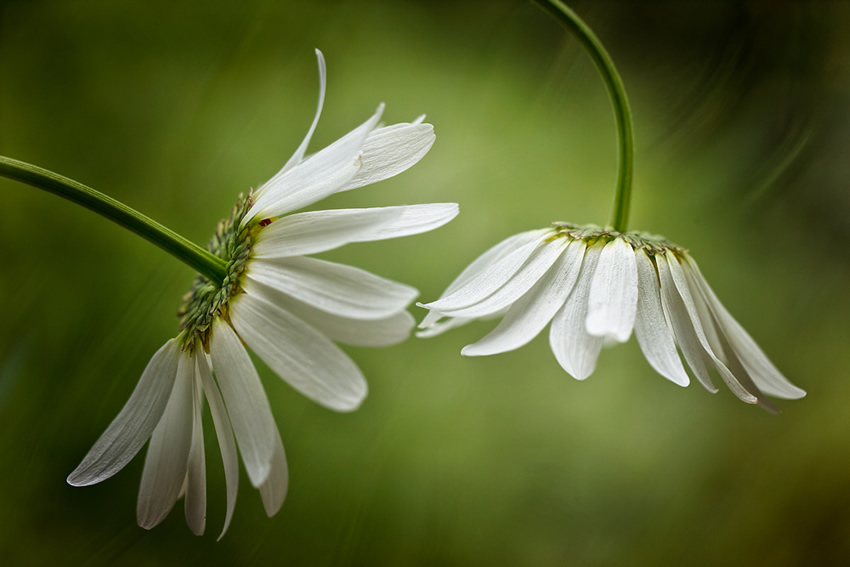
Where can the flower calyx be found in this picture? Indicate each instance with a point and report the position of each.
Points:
(652, 244)
(208, 299)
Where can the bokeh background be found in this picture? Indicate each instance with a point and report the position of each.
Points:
(743, 131)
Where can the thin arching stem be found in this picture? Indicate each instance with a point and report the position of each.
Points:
(183, 249)
(623, 115)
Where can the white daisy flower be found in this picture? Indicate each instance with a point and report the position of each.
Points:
(596, 286)
(287, 307)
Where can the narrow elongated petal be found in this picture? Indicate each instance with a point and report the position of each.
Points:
(575, 348)
(651, 329)
(707, 320)
(320, 231)
(358, 332)
(335, 288)
(133, 426)
(168, 455)
(414, 219)
(528, 275)
(390, 150)
(318, 176)
(766, 376)
(613, 293)
(741, 374)
(224, 432)
(437, 327)
(245, 400)
(481, 264)
(195, 500)
(683, 329)
(302, 149)
(681, 283)
(533, 311)
(273, 491)
(486, 282)
(298, 353)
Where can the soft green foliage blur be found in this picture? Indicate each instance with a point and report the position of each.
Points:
(741, 113)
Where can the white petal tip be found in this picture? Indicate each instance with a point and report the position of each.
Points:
(259, 475)
(594, 329)
(76, 482)
(789, 393)
(346, 405)
(470, 350)
(80, 478)
(683, 382)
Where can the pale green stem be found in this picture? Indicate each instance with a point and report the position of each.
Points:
(185, 250)
(623, 115)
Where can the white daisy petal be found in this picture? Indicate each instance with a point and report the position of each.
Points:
(613, 293)
(707, 320)
(319, 231)
(335, 288)
(651, 329)
(302, 149)
(415, 219)
(168, 454)
(245, 400)
(741, 374)
(486, 282)
(681, 284)
(357, 332)
(317, 177)
(683, 329)
(195, 500)
(504, 248)
(766, 376)
(479, 265)
(741, 379)
(298, 353)
(533, 311)
(224, 432)
(133, 426)
(273, 491)
(439, 327)
(575, 349)
(390, 150)
(528, 275)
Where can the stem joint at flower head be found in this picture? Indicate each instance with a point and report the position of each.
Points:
(207, 300)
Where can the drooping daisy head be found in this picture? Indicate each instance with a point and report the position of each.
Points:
(594, 286)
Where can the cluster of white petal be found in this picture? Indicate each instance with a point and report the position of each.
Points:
(289, 311)
(597, 291)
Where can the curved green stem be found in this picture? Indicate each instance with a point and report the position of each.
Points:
(597, 52)
(185, 250)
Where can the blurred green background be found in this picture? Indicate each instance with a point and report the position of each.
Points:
(742, 122)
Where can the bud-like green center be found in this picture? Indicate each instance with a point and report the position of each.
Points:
(206, 299)
(652, 244)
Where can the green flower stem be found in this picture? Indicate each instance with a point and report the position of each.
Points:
(617, 91)
(185, 250)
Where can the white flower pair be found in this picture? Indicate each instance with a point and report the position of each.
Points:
(593, 285)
